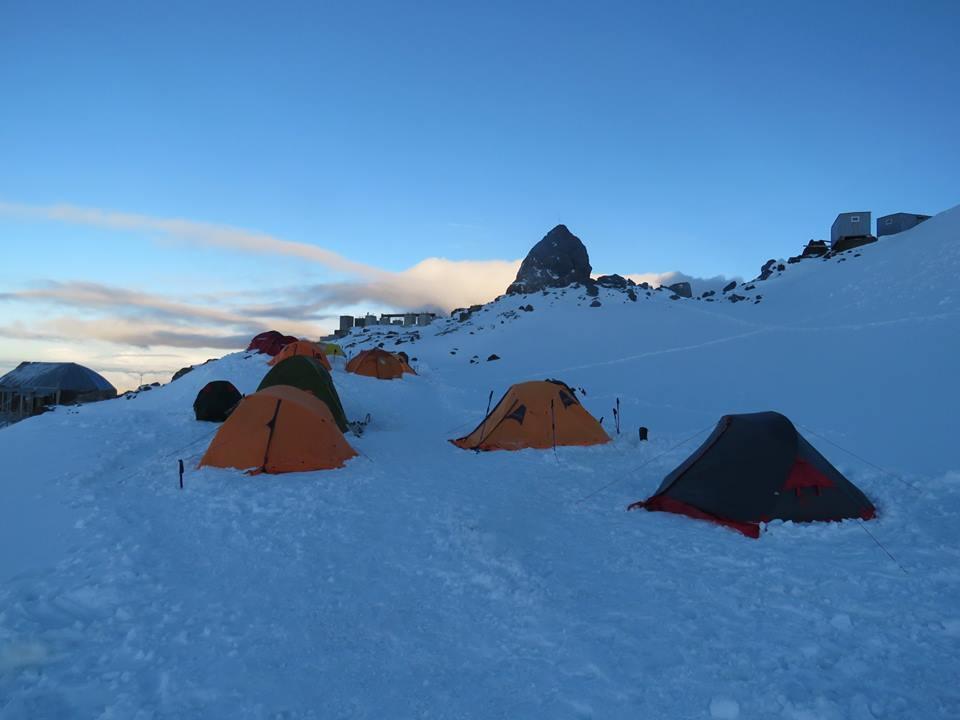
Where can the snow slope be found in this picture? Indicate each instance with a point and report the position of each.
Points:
(426, 581)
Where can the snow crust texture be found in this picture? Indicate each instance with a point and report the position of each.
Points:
(426, 581)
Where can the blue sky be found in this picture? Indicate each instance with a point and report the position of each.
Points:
(703, 137)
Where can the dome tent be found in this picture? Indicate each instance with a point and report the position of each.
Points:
(32, 385)
(755, 468)
(302, 347)
(270, 342)
(380, 364)
(216, 400)
(277, 430)
(308, 374)
(537, 414)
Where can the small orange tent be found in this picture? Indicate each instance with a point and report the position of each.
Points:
(276, 430)
(379, 364)
(537, 414)
(302, 347)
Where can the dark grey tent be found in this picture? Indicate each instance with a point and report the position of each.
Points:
(216, 400)
(32, 385)
(755, 468)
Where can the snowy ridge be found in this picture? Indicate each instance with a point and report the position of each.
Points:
(425, 580)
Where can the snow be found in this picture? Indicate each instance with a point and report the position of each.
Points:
(425, 581)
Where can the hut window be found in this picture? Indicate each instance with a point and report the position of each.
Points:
(854, 218)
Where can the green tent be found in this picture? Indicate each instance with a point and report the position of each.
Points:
(308, 374)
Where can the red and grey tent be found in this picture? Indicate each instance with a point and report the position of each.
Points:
(270, 342)
(755, 468)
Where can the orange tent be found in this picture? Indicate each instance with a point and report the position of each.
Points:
(302, 347)
(538, 414)
(379, 364)
(276, 430)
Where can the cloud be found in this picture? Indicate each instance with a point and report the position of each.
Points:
(116, 299)
(697, 284)
(433, 283)
(210, 234)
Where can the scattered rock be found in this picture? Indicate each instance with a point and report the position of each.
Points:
(729, 286)
(708, 293)
(592, 289)
(527, 308)
(493, 357)
(735, 298)
(596, 303)
(558, 260)
(632, 295)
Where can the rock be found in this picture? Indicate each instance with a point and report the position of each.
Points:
(181, 372)
(527, 308)
(735, 298)
(596, 303)
(558, 260)
(612, 281)
(592, 289)
(767, 270)
(708, 293)
(632, 295)
(493, 357)
(729, 286)
(815, 248)
(682, 289)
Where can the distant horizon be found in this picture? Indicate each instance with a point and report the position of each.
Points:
(119, 374)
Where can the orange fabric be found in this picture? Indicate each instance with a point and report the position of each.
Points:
(305, 435)
(502, 430)
(379, 364)
(302, 347)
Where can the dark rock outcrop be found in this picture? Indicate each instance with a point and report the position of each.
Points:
(729, 286)
(558, 260)
(596, 303)
(815, 248)
(767, 270)
(612, 281)
(181, 372)
(682, 289)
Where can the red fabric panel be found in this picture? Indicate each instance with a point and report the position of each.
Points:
(668, 504)
(803, 474)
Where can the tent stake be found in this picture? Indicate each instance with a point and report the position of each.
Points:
(181, 473)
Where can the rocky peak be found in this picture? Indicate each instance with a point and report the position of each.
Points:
(558, 260)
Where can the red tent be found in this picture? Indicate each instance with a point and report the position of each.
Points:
(270, 342)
